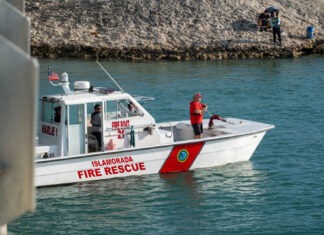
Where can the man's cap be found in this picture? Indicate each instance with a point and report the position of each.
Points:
(197, 95)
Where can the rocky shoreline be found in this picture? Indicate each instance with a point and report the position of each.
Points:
(170, 30)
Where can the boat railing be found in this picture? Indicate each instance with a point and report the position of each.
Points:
(166, 126)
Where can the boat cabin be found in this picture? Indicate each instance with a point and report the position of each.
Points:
(70, 125)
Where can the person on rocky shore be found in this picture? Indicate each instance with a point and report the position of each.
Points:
(263, 21)
(275, 24)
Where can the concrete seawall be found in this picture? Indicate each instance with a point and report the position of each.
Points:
(172, 30)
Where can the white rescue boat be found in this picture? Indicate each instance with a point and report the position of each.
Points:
(131, 142)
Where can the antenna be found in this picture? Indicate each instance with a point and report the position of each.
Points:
(121, 89)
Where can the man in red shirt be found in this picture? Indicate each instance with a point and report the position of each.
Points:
(197, 110)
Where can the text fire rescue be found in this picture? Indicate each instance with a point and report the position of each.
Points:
(119, 166)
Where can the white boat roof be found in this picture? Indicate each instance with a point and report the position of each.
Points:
(78, 97)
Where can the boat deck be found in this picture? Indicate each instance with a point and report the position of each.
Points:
(183, 130)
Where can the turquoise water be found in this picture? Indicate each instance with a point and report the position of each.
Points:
(279, 191)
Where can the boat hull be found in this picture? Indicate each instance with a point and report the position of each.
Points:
(180, 156)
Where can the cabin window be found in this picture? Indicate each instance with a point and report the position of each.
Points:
(50, 111)
(90, 108)
(111, 110)
(122, 108)
(128, 108)
(76, 114)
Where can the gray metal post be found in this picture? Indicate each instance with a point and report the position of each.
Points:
(19, 4)
(18, 92)
(15, 26)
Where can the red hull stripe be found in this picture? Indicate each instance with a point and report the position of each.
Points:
(181, 157)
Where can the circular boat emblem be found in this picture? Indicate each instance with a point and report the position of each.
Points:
(183, 155)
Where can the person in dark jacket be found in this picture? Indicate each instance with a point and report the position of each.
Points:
(96, 123)
(57, 115)
(264, 21)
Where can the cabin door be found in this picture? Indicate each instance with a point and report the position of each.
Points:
(76, 129)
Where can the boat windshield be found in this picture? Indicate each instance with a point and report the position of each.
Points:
(122, 108)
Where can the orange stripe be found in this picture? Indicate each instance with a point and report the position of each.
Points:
(182, 157)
